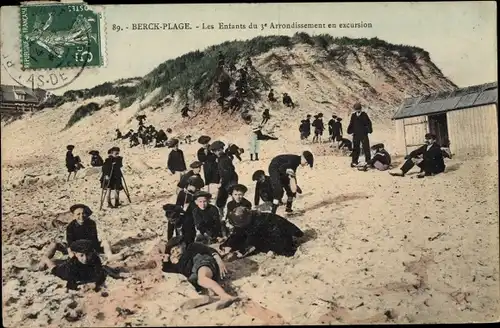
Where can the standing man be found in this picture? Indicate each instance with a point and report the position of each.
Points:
(227, 173)
(331, 127)
(282, 171)
(111, 179)
(359, 126)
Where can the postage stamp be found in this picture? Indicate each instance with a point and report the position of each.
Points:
(60, 35)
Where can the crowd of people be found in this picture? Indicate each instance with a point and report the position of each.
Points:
(239, 227)
(429, 157)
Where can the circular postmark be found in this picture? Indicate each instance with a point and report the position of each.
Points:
(49, 80)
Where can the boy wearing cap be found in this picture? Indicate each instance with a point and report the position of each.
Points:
(73, 163)
(318, 127)
(195, 171)
(185, 196)
(176, 162)
(282, 171)
(238, 194)
(227, 173)
(428, 158)
(207, 218)
(359, 126)
(261, 232)
(83, 267)
(209, 160)
(112, 175)
(381, 159)
(331, 125)
(179, 223)
(263, 190)
(200, 264)
(81, 228)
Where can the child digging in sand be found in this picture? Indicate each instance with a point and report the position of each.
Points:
(201, 265)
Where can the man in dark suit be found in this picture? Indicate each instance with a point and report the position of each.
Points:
(359, 126)
(428, 157)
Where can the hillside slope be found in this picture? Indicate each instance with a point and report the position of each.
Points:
(321, 74)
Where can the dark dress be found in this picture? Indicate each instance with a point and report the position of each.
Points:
(112, 167)
(176, 161)
(228, 178)
(210, 170)
(266, 232)
(70, 162)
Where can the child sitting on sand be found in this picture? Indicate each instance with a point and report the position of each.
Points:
(200, 264)
(85, 266)
(238, 194)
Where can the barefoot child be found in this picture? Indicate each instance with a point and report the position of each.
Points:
(200, 264)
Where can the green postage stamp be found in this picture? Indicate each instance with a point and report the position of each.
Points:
(60, 35)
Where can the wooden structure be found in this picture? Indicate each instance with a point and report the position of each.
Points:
(16, 100)
(465, 118)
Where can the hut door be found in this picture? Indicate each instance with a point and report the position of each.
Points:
(438, 125)
(414, 131)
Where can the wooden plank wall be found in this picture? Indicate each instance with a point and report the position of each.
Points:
(474, 131)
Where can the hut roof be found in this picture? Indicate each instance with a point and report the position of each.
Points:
(442, 102)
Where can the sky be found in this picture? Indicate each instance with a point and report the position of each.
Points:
(461, 37)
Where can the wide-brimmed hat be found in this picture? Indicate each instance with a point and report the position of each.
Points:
(94, 152)
(201, 193)
(240, 217)
(257, 174)
(86, 210)
(320, 115)
(172, 242)
(84, 246)
(115, 149)
(238, 187)
(309, 157)
(172, 209)
(171, 143)
(217, 145)
(339, 118)
(204, 140)
(377, 146)
(357, 106)
(70, 147)
(430, 136)
(195, 165)
(195, 181)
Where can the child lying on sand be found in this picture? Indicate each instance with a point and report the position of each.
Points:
(202, 265)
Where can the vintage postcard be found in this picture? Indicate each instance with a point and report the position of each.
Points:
(249, 164)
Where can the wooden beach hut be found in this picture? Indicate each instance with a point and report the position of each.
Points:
(465, 117)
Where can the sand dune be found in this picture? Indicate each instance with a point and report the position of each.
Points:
(382, 249)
